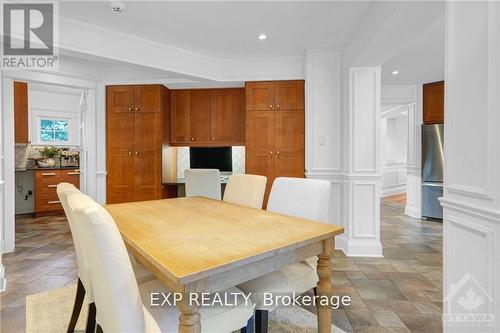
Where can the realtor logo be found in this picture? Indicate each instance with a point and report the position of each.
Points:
(29, 31)
(468, 305)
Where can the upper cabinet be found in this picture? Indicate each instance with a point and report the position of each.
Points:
(274, 95)
(21, 112)
(433, 103)
(207, 117)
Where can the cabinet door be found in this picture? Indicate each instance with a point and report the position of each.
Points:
(259, 146)
(200, 116)
(433, 108)
(147, 156)
(21, 112)
(120, 158)
(119, 99)
(227, 116)
(289, 133)
(148, 98)
(180, 117)
(259, 96)
(289, 95)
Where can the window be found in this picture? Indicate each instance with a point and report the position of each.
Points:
(56, 128)
(52, 130)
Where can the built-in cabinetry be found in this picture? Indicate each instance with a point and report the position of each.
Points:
(433, 103)
(207, 117)
(274, 139)
(134, 135)
(46, 199)
(21, 135)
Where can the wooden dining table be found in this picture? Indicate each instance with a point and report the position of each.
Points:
(197, 245)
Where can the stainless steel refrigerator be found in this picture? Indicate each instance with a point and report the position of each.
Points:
(432, 170)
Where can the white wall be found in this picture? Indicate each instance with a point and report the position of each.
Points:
(471, 249)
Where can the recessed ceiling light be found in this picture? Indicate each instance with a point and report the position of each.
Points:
(395, 72)
(117, 7)
(262, 36)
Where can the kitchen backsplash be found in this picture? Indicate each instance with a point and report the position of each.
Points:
(24, 153)
(183, 160)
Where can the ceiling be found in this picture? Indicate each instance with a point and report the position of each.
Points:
(230, 29)
(421, 60)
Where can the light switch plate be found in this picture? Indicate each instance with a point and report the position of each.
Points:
(322, 140)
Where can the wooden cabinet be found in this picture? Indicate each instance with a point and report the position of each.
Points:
(21, 112)
(134, 133)
(207, 117)
(275, 95)
(46, 199)
(433, 103)
(274, 137)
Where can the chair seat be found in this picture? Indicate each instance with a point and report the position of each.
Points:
(298, 278)
(213, 319)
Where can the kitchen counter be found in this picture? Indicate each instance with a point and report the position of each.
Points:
(50, 168)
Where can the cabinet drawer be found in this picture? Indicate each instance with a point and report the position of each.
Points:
(45, 202)
(71, 176)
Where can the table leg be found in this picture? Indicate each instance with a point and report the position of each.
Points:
(325, 286)
(189, 319)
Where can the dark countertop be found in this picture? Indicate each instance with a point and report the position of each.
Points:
(182, 181)
(50, 168)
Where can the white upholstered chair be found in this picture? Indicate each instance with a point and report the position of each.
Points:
(298, 197)
(84, 287)
(246, 190)
(203, 182)
(120, 301)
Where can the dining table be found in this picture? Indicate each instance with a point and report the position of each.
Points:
(196, 244)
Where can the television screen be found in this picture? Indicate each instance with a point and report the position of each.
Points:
(211, 158)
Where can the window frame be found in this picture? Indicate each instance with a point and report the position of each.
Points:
(37, 115)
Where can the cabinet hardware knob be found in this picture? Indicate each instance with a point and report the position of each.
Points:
(129, 153)
(271, 152)
(278, 153)
(51, 185)
(192, 139)
(213, 139)
(54, 202)
(278, 106)
(137, 153)
(271, 106)
(187, 139)
(130, 109)
(49, 174)
(136, 109)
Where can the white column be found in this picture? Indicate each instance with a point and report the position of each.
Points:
(2, 177)
(414, 173)
(471, 249)
(361, 186)
(323, 123)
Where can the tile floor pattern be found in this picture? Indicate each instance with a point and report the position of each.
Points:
(398, 293)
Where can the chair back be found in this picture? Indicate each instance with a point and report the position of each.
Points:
(116, 294)
(203, 182)
(63, 191)
(246, 190)
(300, 197)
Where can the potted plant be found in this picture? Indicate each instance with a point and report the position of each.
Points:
(49, 153)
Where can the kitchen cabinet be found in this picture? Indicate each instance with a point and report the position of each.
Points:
(433, 103)
(134, 131)
(207, 117)
(21, 135)
(274, 137)
(46, 199)
(275, 95)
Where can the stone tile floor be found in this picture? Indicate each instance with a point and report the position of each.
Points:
(400, 292)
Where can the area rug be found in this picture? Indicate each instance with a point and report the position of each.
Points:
(50, 311)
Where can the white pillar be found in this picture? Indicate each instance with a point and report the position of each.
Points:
(414, 171)
(2, 177)
(471, 249)
(361, 186)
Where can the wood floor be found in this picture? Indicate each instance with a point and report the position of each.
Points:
(401, 292)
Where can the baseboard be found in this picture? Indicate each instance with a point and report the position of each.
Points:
(3, 282)
(358, 247)
(364, 249)
(413, 212)
(393, 190)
